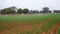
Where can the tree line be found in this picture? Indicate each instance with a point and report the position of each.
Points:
(14, 10)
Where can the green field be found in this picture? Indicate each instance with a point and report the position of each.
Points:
(12, 23)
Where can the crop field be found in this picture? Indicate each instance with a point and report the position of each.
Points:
(30, 24)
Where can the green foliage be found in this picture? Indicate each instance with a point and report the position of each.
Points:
(3, 11)
(8, 10)
(59, 31)
(25, 11)
(20, 11)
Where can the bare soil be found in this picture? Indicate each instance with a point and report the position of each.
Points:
(14, 28)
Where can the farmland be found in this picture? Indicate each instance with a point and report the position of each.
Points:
(30, 24)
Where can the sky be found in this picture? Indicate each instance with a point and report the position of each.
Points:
(31, 4)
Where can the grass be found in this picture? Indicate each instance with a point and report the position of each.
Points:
(59, 31)
(22, 17)
(50, 19)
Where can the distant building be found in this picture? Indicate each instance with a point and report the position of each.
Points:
(45, 10)
(33, 12)
(30, 12)
(56, 11)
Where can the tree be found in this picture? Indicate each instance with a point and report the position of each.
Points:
(8, 10)
(50, 11)
(0, 11)
(12, 9)
(19, 11)
(3, 11)
(25, 11)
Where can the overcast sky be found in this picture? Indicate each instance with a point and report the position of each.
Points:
(31, 4)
